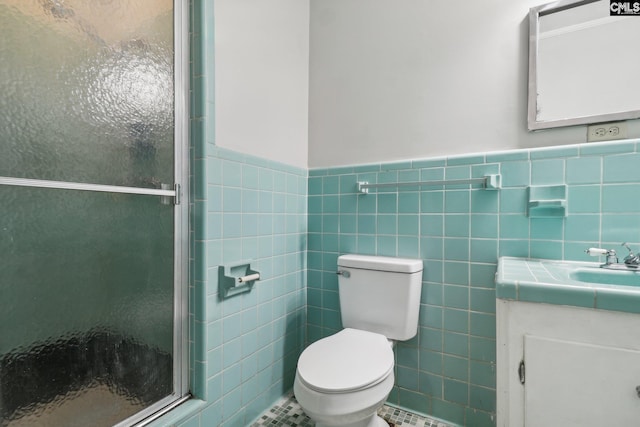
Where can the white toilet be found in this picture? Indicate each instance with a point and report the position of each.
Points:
(343, 379)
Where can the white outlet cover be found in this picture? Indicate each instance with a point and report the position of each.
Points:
(606, 131)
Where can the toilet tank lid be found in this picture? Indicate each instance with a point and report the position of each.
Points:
(381, 263)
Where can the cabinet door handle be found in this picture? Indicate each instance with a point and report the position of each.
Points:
(638, 390)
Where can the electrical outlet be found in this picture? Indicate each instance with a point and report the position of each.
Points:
(606, 131)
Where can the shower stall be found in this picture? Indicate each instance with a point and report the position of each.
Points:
(93, 221)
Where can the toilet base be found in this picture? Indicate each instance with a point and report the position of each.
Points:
(374, 421)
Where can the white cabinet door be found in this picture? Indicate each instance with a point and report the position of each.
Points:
(572, 384)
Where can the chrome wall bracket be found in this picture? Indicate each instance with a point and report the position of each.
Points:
(166, 200)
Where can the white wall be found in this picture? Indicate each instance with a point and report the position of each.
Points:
(392, 80)
(262, 78)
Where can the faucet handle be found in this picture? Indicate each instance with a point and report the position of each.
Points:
(631, 259)
(600, 251)
(611, 255)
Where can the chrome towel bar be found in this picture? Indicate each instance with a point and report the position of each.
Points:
(489, 182)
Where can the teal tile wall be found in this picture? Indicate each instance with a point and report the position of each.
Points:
(244, 349)
(448, 370)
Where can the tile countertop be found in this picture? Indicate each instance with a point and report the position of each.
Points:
(548, 281)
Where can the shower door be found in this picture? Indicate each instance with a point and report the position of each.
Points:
(92, 228)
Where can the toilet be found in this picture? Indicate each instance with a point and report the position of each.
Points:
(343, 379)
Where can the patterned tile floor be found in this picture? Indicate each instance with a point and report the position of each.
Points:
(287, 412)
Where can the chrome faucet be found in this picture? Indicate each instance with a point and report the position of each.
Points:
(632, 260)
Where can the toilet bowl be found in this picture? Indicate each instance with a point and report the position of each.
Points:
(342, 380)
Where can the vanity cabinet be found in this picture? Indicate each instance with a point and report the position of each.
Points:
(579, 367)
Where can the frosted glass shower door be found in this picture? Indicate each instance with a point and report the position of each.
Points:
(91, 235)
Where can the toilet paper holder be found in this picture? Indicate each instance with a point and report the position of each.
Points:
(233, 280)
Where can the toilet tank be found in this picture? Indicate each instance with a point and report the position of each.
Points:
(380, 294)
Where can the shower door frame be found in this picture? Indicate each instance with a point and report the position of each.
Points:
(181, 224)
(180, 195)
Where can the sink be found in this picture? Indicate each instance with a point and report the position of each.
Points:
(604, 276)
(572, 283)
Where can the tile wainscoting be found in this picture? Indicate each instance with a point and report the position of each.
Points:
(448, 370)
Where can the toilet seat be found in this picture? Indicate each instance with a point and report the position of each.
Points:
(347, 361)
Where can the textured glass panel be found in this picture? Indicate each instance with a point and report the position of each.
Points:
(86, 279)
(87, 91)
(86, 306)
